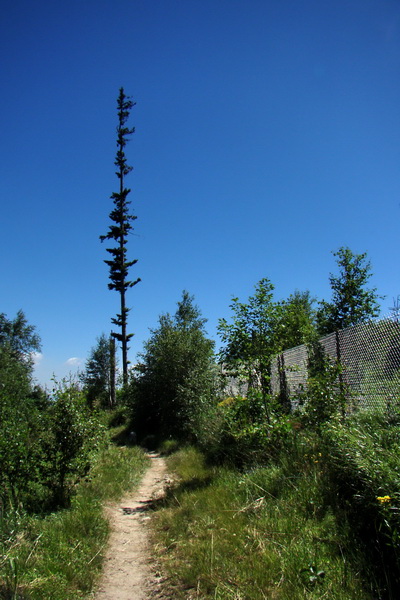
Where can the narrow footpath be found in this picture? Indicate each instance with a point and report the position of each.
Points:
(127, 573)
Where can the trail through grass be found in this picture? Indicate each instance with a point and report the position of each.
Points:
(58, 557)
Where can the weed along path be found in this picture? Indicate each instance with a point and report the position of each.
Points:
(127, 573)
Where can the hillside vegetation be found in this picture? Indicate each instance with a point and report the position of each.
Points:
(290, 513)
(269, 501)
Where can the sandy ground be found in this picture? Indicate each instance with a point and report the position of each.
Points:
(128, 573)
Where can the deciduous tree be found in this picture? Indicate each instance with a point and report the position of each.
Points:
(18, 337)
(352, 302)
(250, 338)
(297, 320)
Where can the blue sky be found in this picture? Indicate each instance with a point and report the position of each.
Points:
(267, 136)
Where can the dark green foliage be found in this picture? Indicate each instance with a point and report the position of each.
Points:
(296, 323)
(122, 219)
(245, 431)
(175, 381)
(325, 394)
(18, 337)
(99, 375)
(44, 451)
(73, 435)
(45, 444)
(15, 431)
(351, 302)
(19, 405)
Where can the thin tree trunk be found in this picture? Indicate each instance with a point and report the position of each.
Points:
(112, 371)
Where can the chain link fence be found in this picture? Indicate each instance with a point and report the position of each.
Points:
(370, 357)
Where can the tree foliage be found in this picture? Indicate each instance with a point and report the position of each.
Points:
(296, 321)
(250, 338)
(99, 374)
(45, 443)
(175, 380)
(119, 230)
(18, 340)
(352, 303)
(72, 437)
(16, 412)
(18, 337)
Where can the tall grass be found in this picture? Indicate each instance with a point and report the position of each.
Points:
(267, 533)
(364, 477)
(58, 557)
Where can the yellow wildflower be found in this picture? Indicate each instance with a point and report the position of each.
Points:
(383, 499)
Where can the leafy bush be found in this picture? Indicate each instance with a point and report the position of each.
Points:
(246, 430)
(116, 417)
(325, 393)
(75, 434)
(45, 447)
(168, 447)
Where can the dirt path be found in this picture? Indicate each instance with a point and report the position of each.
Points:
(127, 572)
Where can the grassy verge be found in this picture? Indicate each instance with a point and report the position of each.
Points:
(268, 533)
(59, 556)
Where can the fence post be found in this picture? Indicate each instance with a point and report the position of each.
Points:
(342, 386)
(283, 386)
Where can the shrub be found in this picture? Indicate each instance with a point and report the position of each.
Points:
(246, 430)
(75, 433)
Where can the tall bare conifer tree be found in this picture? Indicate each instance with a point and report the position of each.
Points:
(120, 228)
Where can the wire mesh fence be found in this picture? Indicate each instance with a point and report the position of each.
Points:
(370, 358)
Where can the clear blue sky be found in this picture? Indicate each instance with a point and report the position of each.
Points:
(267, 136)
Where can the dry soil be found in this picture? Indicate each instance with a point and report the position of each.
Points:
(128, 567)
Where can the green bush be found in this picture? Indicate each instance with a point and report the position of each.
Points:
(325, 394)
(168, 447)
(45, 447)
(75, 434)
(116, 417)
(245, 431)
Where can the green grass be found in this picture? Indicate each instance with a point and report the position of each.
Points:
(58, 557)
(364, 476)
(267, 533)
